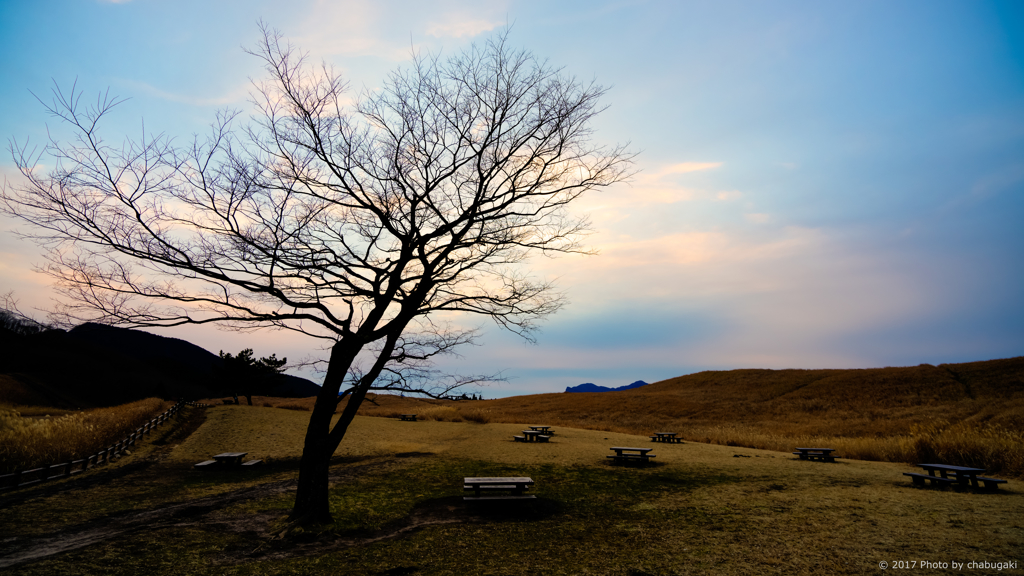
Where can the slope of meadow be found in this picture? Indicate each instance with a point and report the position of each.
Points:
(396, 499)
(971, 413)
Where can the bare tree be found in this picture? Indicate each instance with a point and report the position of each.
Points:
(373, 227)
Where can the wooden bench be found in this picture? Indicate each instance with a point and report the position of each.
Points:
(630, 458)
(482, 488)
(519, 438)
(920, 478)
(543, 438)
(206, 465)
(491, 487)
(819, 457)
(962, 476)
(991, 483)
(252, 463)
(631, 455)
(820, 454)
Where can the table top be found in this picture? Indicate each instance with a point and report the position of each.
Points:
(533, 431)
(539, 427)
(816, 449)
(664, 433)
(951, 468)
(498, 480)
(622, 449)
(231, 455)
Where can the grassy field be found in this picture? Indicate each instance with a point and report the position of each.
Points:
(970, 414)
(396, 499)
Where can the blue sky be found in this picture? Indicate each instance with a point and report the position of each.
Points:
(821, 185)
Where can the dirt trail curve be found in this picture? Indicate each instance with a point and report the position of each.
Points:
(197, 513)
(18, 550)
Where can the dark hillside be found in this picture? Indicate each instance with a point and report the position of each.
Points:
(70, 372)
(94, 365)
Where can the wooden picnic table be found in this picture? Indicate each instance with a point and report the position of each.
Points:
(227, 460)
(822, 454)
(963, 476)
(534, 436)
(408, 417)
(624, 455)
(511, 488)
(669, 437)
(230, 458)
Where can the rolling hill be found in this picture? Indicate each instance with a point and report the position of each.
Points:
(971, 413)
(95, 365)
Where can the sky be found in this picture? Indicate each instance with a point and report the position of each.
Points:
(821, 184)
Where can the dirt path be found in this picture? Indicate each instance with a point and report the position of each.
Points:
(94, 531)
(206, 513)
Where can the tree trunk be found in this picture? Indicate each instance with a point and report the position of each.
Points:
(311, 505)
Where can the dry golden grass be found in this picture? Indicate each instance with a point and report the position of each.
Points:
(703, 509)
(969, 414)
(733, 510)
(28, 442)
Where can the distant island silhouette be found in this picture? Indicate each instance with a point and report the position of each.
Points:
(589, 387)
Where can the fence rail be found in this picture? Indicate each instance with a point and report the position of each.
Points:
(22, 478)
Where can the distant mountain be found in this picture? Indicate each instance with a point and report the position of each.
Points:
(588, 387)
(170, 354)
(97, 365)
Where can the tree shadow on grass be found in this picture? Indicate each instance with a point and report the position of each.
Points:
(532, 510)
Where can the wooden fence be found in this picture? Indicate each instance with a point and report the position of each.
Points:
(23, 478)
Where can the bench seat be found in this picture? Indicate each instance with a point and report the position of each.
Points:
(920, 478)
(486, 487)
(206, 464)
(481, 498)
(631, 458)
(252, 463)
(822, 457)
(991, 483)
(519, 438)
(542, 438)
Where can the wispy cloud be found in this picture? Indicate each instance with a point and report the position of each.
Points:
(460, 28)
(652, 187)
(236, 96)
(684, 167)
(389, 30)
(998, 181)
